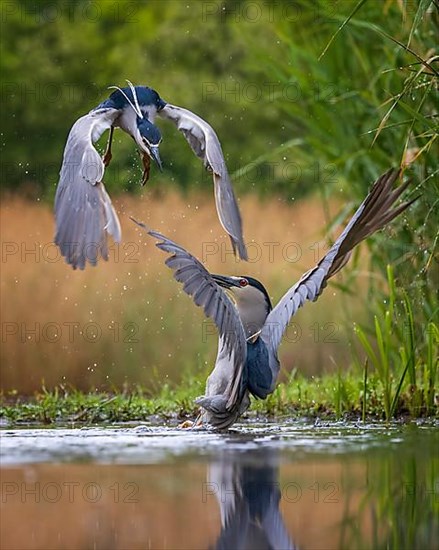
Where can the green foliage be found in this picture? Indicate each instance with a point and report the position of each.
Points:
(340, 395)
(326, 98)
(367, 74)
(65, 404)
(397, 361)
(58, 59)
(294, 117)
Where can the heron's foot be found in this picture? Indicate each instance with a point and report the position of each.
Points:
(146, 160)
(107, 158)
(186, 425)
(191, 425)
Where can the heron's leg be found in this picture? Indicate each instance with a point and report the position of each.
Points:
(107, 155)
(146, 160)
(198, 422)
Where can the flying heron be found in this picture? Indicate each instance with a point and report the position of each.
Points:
(83, 209)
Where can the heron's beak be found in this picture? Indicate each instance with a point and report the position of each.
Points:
(225, 282)
(154, 154)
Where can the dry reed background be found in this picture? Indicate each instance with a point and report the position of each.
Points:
(127, 321)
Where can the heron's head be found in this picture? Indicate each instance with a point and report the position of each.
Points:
(251, 299)
(149, 139)
(145, 102)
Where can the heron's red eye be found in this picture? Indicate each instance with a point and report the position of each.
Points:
(243, 282)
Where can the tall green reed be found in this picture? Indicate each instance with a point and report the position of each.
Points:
(407, 378)
(367, 73)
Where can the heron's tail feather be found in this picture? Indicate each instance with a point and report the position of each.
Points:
(218, 416)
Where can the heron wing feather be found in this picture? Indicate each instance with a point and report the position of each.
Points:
(206, 293)
(83, 210)
(205, 144)
(373, 214)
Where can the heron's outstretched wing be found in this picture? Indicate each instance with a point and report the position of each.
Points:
(83, 210)
(373, 214)
(206, 293)
(205, 144)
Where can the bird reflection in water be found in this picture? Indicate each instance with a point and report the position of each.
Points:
(247, 488)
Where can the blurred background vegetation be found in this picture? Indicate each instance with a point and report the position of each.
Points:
(311, 100)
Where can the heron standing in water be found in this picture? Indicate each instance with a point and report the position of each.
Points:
(250, 329)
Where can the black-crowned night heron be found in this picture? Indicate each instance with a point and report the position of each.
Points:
(250, 330)
(83, 210)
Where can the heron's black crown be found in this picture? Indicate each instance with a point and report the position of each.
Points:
(148, 96)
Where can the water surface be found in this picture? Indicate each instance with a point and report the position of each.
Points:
(294, 485)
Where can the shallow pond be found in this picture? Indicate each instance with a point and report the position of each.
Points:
(261, 486)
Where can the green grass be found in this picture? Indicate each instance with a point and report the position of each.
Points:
(332, 397)
(406, 356)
